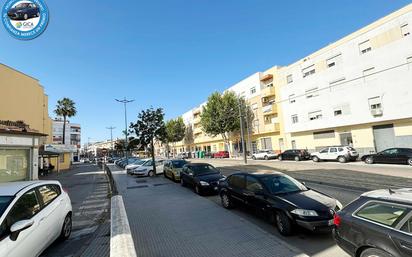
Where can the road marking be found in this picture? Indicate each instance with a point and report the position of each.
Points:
(104, 205)
(88, 213)
(94, 201)
(83, 232)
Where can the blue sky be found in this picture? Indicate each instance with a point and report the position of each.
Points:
(172, 54)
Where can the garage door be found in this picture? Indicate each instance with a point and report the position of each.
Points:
(384, 137)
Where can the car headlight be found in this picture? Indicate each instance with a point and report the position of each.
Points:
(204, 183)
(302, 212)
(339, 205)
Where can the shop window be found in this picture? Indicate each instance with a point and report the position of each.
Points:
(14, 164)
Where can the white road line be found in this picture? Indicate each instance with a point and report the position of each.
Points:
(88, 213)
(80, 233)
(94, 206)
(94, 201)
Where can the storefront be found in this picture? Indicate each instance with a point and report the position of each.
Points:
(64, 155)
(18, 155)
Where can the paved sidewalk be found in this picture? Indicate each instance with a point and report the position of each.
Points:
(88, 190)
(169, 220)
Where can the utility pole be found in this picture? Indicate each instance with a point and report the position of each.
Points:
(111, 136)
(242, 133)
(125, 102)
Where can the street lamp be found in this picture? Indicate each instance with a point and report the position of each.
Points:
(125, 102)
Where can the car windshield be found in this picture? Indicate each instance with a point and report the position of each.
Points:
(282, 184)
(23, 5)
(203, 169)
(179, 163)
(138, 162)
(4, 202)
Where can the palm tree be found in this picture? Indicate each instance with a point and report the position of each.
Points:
(65, 108)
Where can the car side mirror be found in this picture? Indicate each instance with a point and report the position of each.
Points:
(18, 227)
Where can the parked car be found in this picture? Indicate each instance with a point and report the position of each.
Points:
(264, 154)
(280, 198)
(183, 155)
(203, 177)
(336, 153)
(392, 156)
(135, 164)
(294, 154)
(33, 214)
(221, 154)
(377, 224)
(24, 11)
(172, 169)
(119, 160)
(146, 169)
(127, 161)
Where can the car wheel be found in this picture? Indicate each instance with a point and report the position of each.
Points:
(369, 160)
(315, 159)
(227, 203)
(280, 158)
(254, 157)
(25, 16)
(66, 228)
(151, 173)
(198, 190)
(182, 182)
(266, 158)
(283, 224)
(342, 159)
(373, 252)
(297, 158)
(410, 161)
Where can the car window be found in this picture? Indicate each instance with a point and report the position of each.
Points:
(4, 203)
(48, 193)
(407, 227)
(282, 184)
(340, 149)
(178, 163)
(203, 169)
(252, 184)
(25, 208)
(390, 151)
(237, 181)
(325, 150)
(333, 150)
(382, 213)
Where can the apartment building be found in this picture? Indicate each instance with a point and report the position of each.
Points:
(356, 91)
(72, 136)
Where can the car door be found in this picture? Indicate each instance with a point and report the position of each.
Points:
(32, 240)
(51, 199)
(236, 186)
(333, 153)
(159, 166)
(324, 154)
(190, 176)
(253, 194)
(402, 236)
(386, 156)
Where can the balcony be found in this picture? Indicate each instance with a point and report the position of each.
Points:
(196, 111)
(268, 92)
(272, 127)
(270, 109)
(266, 77)
(197, 131)
(196, 119)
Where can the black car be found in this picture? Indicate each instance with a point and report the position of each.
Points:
(377, 224)
(295, 154)
(24, 11)
(392, 155)
(281, 199)
(202, 176)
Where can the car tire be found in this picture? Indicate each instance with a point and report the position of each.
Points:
(369, 160)
(25, 16)
(283, 224)
(66, 228)
(182, 182)
(266, 157)
(198, 190)
(297, 158)
(226, 201)
(373, 252)
(342, 159)
(280, 158)
(410, 161)
(253, 157)
(151, 173)
(315, 159)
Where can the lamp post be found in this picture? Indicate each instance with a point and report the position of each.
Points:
(125, 102)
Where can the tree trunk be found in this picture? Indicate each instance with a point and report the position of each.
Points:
(153, 157)
(64, 130)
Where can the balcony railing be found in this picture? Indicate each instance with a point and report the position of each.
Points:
(272, 127)
(270, 109)
(267, 92)
(196, 120)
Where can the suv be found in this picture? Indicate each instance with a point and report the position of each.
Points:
(336, 153)
(378, 223)
(264, 154)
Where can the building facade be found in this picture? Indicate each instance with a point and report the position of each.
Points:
(72, 136)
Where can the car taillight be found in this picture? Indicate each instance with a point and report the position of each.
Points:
(336, 220)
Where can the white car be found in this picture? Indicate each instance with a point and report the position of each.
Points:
(264, 155)
(134, 165)
(336, 153)
(146, 169)
(33, 215)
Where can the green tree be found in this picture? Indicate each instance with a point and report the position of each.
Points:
(220, 115)
(149, 127)
(189, 138)
(65, 108)
(175, 132)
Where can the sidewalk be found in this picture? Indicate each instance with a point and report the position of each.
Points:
(169, 220)
(88, 190)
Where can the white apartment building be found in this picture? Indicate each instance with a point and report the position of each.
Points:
(356, 91)
(72, 135)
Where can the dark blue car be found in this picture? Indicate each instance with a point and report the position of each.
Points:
(24, 11)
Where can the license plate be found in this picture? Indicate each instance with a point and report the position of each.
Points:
(331, 223)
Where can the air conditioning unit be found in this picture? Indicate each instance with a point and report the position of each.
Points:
(377, 112)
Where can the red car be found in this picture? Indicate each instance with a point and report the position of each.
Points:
(221, 154)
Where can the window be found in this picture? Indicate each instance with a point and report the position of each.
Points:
(308, 71)
(49, 193)
(333, 150)
(407, 227)
(375, 103)
(324, 134)
(405, 30)
(252, 184)
(337, 112)
(14, 164)
(237, 181)
(386, 214)
(365, 47)
(343, 109)
(325, 150)
(292, 99)
(289, 79)
(393, 151)
(333, 61)
(295, 119)
(315, 115)
(254, 106)
(253, 90)
(313, 92)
